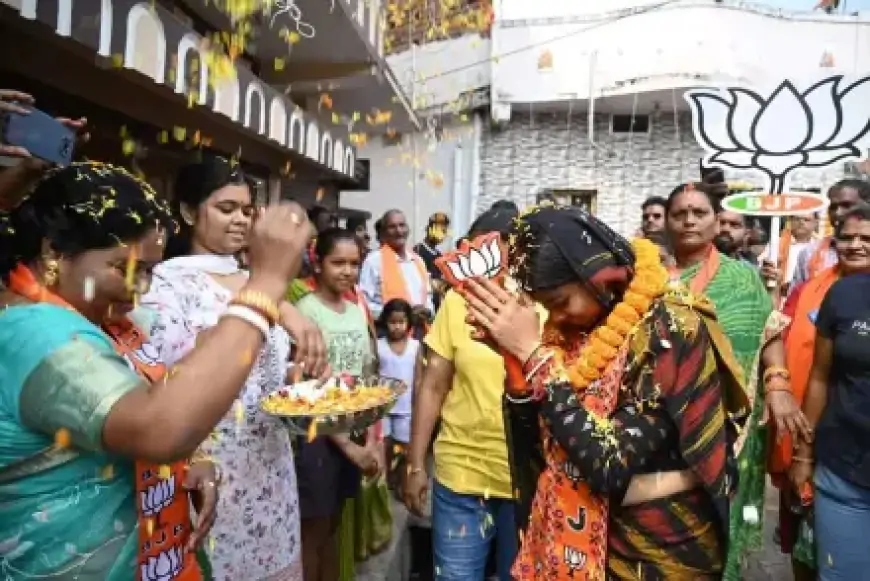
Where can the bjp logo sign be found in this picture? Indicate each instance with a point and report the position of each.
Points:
(484, 257)
(787, 204)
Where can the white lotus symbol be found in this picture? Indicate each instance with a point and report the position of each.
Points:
(164, 567)
(815, 128)
(157, 496)
(483, 262)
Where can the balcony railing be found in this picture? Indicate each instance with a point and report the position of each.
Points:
(157, 44)
(416, 22)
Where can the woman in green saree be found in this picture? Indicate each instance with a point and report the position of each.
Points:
(746, 313)
(94, 477)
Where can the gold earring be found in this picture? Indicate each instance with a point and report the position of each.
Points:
(49, 277)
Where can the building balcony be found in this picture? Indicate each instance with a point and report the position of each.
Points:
(149, 40)
(312, 48)
(556, 51)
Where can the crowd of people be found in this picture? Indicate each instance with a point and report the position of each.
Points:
(665, 379)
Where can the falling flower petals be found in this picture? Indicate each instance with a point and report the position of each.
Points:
(62, 438)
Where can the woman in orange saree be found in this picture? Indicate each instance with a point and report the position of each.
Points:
(636, 392)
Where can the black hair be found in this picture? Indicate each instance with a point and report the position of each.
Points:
(316, 211)
(329, 239)
(505, 205)
(860, 186)
(858, 212)
(194, 184)
(712, 175)
(354, 222)
(705, 189)
(85, 206)
(395, 306)
(497, 219)
(654, 201)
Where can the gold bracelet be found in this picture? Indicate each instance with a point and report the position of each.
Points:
(776, 371)
(259, 302)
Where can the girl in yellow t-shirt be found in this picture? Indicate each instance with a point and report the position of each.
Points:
(472, 498)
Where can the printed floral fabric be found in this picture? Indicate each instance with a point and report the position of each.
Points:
(669, 415)
(256, 535)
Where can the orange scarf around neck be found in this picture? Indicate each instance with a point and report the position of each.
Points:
(817, 261)
(393, 285)
(799, 345)
(706, 273)
(161, 502)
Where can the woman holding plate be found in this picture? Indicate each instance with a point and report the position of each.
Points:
(256, 536)
(632, 380)
(330, 467)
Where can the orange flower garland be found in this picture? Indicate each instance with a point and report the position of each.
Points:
(649, 282)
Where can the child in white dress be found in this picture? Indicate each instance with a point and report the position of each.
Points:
(397, 352)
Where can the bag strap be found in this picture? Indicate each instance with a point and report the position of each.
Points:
(43, 461)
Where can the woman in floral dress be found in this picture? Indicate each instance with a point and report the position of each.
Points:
(256, 536)
(636, 391)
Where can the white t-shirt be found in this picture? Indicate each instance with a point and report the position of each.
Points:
(400, 367)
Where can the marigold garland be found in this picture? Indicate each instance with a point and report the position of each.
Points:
(649, 282)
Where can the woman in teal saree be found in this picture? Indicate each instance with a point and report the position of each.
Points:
(746, 313)
(94, 481)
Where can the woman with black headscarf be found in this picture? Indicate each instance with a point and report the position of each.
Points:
(638, 392)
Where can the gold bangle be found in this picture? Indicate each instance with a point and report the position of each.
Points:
(776, 371)
(259, 302)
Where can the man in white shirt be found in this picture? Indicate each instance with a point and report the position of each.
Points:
(394, 257)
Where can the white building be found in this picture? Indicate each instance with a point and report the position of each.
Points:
(586, 101)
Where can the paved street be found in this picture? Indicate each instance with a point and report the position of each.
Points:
(769, 565)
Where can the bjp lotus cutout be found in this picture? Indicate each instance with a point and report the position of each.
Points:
(484, 257)
(816, 127)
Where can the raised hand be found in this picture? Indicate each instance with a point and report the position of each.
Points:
(276, 244)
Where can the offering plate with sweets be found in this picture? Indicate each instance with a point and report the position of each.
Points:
(343, 404)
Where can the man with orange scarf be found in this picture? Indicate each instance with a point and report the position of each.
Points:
(393, 271)
(820, 255)
(800, 234)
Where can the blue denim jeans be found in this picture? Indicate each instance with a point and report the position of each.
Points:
(464, 527)
(842, 528)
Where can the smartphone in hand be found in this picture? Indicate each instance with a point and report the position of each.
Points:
(40, 134)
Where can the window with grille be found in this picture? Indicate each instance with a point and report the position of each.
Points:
(585, 199)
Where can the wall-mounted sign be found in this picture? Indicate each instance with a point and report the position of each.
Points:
(786, 204)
